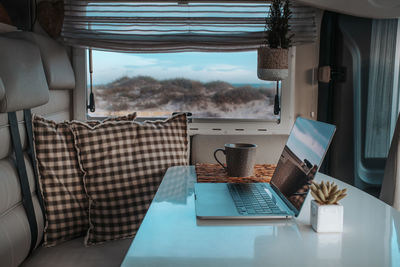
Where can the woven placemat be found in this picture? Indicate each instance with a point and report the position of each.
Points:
(214, 173)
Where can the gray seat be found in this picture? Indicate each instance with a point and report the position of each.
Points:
(29, 64)
(74, 254)
(390, 191)
(58, 70)
(25, 87)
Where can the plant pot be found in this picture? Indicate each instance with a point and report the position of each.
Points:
(272, 63)
(326, 218)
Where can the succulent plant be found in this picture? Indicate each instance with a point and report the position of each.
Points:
(327, 193)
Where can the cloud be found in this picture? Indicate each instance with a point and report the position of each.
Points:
(223, 67)
(323, 139)
(235, 74)
(109, 59)
(232, 74)
(109, 66)
(308, 141)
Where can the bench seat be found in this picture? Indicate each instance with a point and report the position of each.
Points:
(23, 85)
(74, 254)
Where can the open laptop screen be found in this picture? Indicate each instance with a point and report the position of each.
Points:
(301, 158)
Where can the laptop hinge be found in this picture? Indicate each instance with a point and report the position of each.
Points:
(284, 199)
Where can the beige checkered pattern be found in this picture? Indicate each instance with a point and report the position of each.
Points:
(61, 179)
(124, 163)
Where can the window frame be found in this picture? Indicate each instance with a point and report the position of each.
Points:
(222, 126)
(206, 126)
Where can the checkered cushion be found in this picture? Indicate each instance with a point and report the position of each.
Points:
(61, 179)
(124, 163)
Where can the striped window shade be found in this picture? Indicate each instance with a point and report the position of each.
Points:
(177, 26)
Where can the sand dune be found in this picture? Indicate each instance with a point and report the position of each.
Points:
(151, 97)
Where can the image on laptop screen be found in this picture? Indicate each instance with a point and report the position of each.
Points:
(301, 158)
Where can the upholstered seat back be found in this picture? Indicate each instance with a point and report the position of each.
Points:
(23, 85)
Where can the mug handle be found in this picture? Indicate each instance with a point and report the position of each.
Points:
(215, 156)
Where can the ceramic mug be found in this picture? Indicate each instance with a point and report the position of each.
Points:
(240, 159)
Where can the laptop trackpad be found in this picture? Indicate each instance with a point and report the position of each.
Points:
(214, 200)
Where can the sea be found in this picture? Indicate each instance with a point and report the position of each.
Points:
(264, 84)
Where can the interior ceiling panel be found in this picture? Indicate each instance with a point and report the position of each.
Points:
(359, 8)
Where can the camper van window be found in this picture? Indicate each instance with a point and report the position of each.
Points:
(212, 87)
(208, 85)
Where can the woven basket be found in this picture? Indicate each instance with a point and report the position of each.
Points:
(272, 64)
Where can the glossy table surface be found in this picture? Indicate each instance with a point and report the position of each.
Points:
(170, 234)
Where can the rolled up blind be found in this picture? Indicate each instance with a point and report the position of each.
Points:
(149, 26)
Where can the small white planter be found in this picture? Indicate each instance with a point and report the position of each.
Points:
(326, 218)
(272, 74)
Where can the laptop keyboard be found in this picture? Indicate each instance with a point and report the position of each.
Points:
(252, 199)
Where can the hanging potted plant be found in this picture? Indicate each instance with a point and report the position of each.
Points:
(272, 63)
(326, 213)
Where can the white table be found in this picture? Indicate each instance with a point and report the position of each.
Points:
(170, 234)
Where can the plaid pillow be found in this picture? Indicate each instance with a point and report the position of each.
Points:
(124, 163)
(61, 179)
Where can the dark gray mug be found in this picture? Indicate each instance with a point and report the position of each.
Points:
(240, 159)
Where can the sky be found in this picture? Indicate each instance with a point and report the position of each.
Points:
(309, 140)
(236, 67)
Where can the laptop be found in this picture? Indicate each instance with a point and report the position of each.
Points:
(284, 196)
